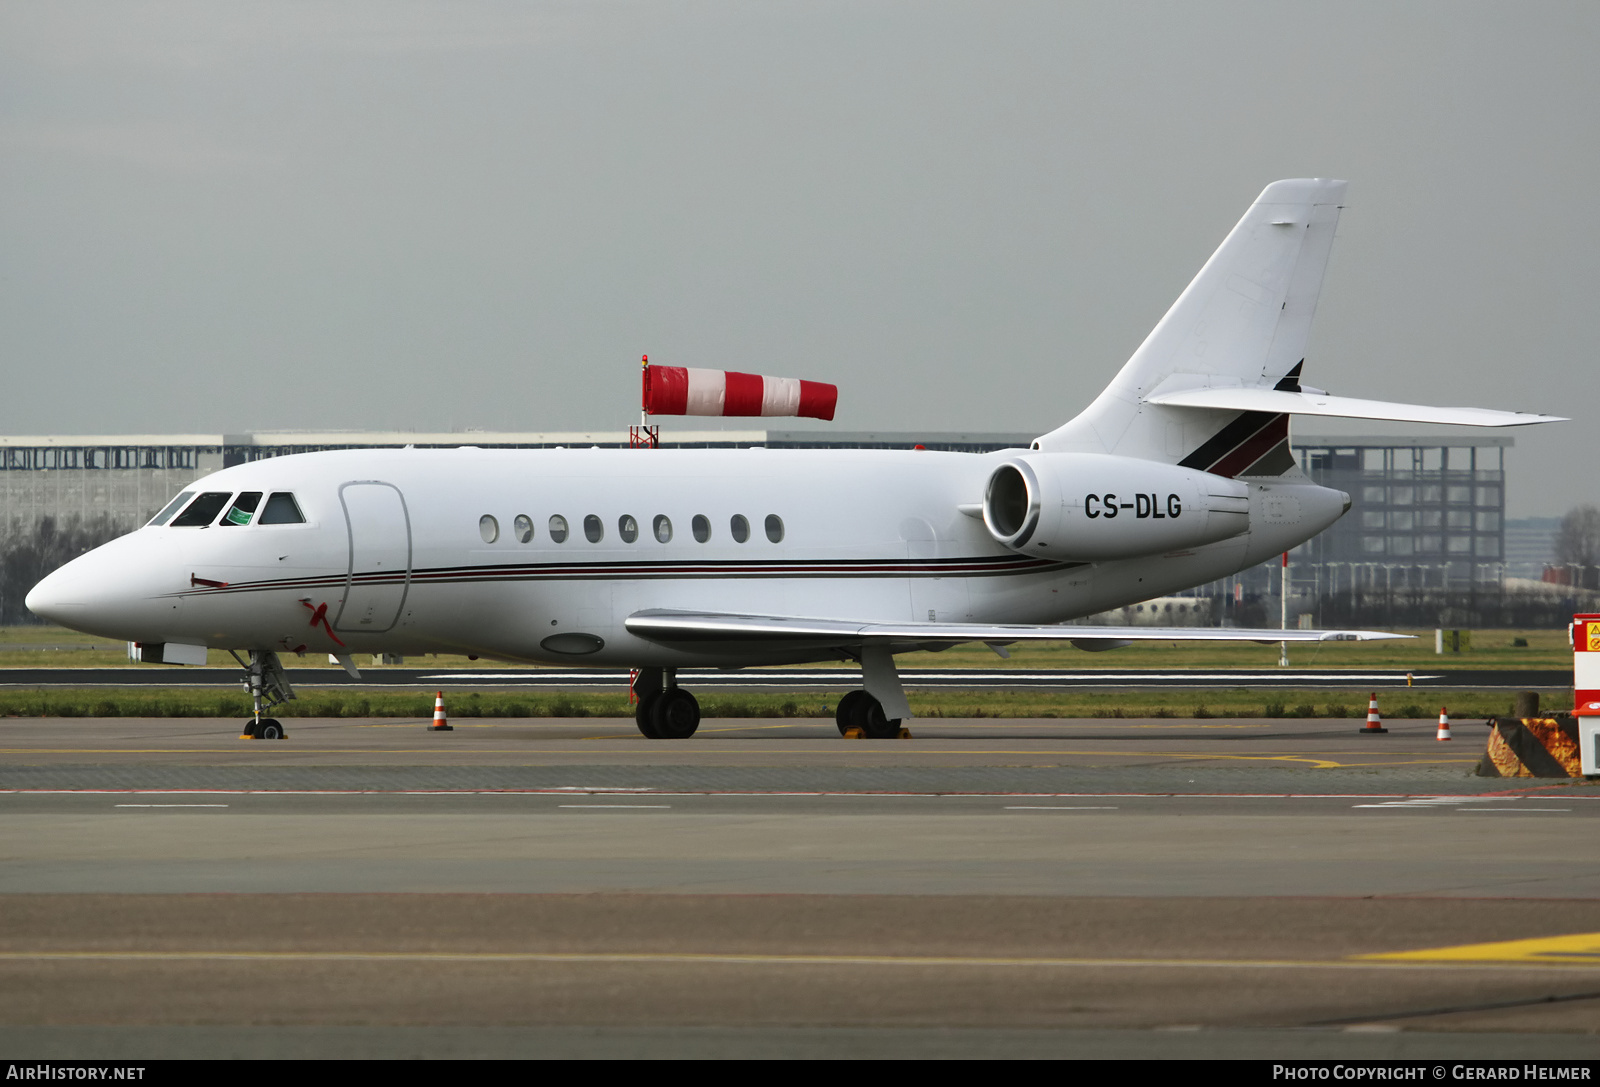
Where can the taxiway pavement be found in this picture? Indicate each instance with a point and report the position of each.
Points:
(822, 679)
(560, 887)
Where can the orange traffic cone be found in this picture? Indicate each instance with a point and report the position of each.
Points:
(439, 722)
(1444, 724)
(1374, 722)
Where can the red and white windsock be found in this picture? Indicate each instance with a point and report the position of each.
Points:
(685, 390)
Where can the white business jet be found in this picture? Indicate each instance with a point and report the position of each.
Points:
(1179, 473)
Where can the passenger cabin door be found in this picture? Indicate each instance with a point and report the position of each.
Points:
(379, 574)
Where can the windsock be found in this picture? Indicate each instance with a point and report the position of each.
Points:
(685, 390)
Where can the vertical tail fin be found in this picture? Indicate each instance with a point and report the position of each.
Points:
(1243, 321)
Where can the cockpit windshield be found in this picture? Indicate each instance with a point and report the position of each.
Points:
(170, 508)
(203, 510)
(242, 509)
(281, 509)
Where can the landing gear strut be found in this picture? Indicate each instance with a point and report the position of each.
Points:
(869, 710)
(268, 687)
(666, 711)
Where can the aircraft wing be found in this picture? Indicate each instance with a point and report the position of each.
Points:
(1285, 402)
(670, 627)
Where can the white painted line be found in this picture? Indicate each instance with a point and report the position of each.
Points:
(1046, 807)
(1505, 810)
(615, 805)
(1399, 800)
(171, 805)
(1435, 801)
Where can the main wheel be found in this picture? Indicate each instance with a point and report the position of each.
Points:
(875, 724)
(676, 714)
(849, 713)
(644, 715)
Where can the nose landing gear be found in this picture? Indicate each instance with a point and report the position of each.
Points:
(268, 687)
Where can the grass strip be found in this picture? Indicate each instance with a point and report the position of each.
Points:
(1210, 702)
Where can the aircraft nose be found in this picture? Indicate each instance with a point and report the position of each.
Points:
(57, 598)
(115, 591)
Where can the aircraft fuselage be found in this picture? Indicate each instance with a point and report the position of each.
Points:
(397, 552)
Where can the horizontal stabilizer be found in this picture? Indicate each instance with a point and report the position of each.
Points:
(678, 627)
(1282, 402)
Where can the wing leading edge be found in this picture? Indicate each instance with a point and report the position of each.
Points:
(673, 627)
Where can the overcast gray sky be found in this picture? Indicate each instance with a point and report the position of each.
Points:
(226, 217)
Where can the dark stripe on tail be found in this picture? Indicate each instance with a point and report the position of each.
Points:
(1249, 438)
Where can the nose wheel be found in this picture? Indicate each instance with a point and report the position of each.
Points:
(264, 729)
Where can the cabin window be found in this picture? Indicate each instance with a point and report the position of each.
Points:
(627, 528)
(739, 527)
(171, 508)
(701, 527)
(662, 528)
(523, 528)
(774, 528)
(488, 528)
(243, 508)
(593, 530)
(203, 510)
(558, 528)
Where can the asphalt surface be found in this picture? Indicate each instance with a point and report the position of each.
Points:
(805, 678)
(988, 888)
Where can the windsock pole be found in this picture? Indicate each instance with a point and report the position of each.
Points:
(1374, 721)
(644, 436)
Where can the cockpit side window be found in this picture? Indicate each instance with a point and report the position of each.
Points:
(243, 506)
(281, 509)
(203, 510)
(171, 507)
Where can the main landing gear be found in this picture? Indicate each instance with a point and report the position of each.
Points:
(666, 711)
(268, 687)
(859, 710)
(879, 711)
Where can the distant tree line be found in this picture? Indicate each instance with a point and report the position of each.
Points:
(28, 554)
(1578, 545)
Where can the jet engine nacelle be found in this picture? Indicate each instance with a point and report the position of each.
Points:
(1093, 507)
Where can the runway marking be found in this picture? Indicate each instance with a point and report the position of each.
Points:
(628, 806)
(1061, 807)
(1429, 801)
(1369, 962)
(170, 805)
(1578, 949)
(1440, 802)
(899, 749)
(1512, 810)
(646, 790)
